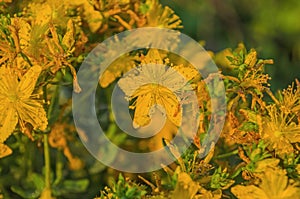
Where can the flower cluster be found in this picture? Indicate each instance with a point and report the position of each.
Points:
(43, 43)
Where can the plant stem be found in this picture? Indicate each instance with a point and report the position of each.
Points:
(47, 162)
(59, 168)
(227, 154)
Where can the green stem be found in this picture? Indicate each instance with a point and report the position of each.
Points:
(225, 155)
(59, 168)
(47, 162)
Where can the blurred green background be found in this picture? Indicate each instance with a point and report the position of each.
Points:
(271, 27)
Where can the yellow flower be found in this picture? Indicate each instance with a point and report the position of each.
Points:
(163, 17)
(148, 95)
(206, 194)
(290, 99)
(279, 131)
(274, 185)
(21, 28)
(93, 17)
(43, 13)
(18, 103)
(185, 188)
(155, 84)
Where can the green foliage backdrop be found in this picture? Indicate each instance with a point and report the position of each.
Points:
(270, 26)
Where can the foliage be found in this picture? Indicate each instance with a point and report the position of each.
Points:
(43, 43)
(268, 26)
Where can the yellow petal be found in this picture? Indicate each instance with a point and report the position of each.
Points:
(4, 150)
(185, 188)
(153, 56)
(120, 66)
(266, 163)
(142, 111)
(187, 72)
(275, 184)
(248, 192)
(28, 81)
(8, 120)
(171, 105)
(32, 111)
(68, 39)
(8, 81)
(107, 78)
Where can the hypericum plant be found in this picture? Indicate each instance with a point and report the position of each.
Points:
(43, 43)
(253, 154)
(123, 188)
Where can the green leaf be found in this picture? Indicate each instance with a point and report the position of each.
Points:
(230, 58)
(34, 192)
(144, 8)
(76, 186)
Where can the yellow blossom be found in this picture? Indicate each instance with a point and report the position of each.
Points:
(18, 103)
(159, 16)
(279, 131)
(156, 85)
(289, 101)
(274, 185)
(185, 187)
